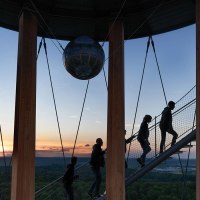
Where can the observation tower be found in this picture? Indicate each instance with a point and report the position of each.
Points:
(107, 20)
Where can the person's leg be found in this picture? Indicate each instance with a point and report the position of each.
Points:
(90, 192)
(175, 135)
(98, 181)
(140, 160)
(71, 193)
(146, 149)
(126, 165)
(163, 138)
(67, 194)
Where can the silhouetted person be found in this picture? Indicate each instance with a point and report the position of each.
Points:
(142, 138)
(96, 162)
(166, 125)
(127, 141)
(69, 178)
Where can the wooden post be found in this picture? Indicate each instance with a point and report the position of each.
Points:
(115, 173)
(23, 160)
(197, 99)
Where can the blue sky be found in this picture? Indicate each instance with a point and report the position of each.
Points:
(176, 52)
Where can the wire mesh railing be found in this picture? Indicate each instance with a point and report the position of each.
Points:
(183, 122)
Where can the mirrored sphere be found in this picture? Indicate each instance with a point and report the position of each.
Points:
(83, 58)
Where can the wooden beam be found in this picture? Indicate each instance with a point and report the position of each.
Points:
(115, 178)
(198, 99)
(23, 160)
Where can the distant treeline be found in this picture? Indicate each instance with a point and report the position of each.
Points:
(153, 186)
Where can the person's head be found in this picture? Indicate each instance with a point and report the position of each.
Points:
(99, 141)
(171, 105)
(73, 160)
(147, 118)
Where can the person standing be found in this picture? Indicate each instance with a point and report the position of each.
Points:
(142, 138)
(166, 125)
(69, 178)
(96, 162)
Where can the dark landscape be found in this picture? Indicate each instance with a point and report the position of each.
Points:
(165, 182)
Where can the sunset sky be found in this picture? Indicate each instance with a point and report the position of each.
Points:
(176, 54)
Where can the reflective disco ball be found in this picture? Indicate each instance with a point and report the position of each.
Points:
(83, 58)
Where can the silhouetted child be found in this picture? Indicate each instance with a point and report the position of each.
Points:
(69, 178)
(142, 138)
(96, 162)
(166, 125)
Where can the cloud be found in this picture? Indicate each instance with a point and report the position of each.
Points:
(98, 122)
(56, 151)
(72, 116)
(54, 148)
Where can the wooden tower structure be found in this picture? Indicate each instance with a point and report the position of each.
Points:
(67, 20)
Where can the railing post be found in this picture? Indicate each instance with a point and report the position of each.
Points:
(155, 139)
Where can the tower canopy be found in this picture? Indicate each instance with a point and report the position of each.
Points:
(68, 19)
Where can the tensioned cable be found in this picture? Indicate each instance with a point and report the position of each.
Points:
(63, 49)
(57, 40)
(133, 33)
(138, 99)
(53, 182)
(56, 107)
(48, 35)
(111, 27)
(4, 156)
(51, 80)
(106, 82)
(51, 32)
(138, 28)
(61, 53)
(40, 25)
(153, 46)
(39, 48)
(80, 117)
(154, 50)
(54, 100)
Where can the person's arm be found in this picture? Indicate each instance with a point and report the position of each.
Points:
(104, 151)
(127, 141)
(167, 117)
(147, 135)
